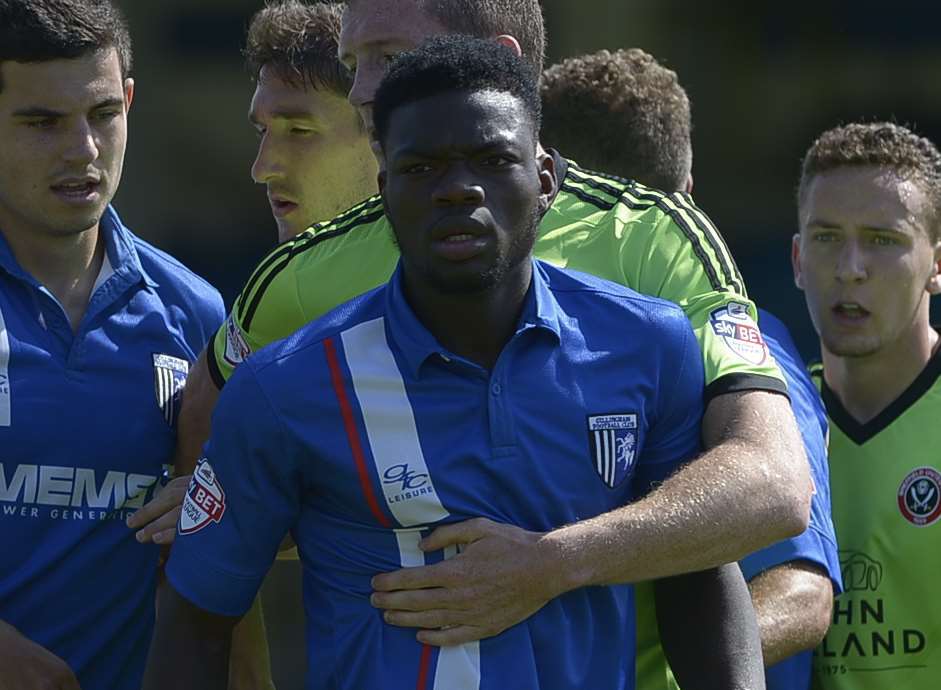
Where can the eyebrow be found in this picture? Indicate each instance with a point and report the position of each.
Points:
(39, 111)
(827, 225)
(284, 115)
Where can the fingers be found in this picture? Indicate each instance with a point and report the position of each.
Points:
(171, 497)
(458, 533)
(422, 577)
(162, 530)
(450, 637)
(415, 600)
(438, 618)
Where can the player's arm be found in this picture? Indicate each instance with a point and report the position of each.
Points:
(25, 665)
(793, 603)
(721, 649)
(190, 648)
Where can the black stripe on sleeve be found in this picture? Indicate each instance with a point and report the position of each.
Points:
(740, 382)
(215, 372)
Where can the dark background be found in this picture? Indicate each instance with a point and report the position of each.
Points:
(764, 78)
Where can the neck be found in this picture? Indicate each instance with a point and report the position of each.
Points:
(67, 266)
(868, 385)
(475, 326)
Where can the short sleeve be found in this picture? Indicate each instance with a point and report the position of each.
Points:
(243, 499)
(675, 433)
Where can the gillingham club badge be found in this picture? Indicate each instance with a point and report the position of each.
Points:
(169, 379)
(613, 442)
(919, 496)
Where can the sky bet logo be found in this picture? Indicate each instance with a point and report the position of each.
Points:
(33, 491)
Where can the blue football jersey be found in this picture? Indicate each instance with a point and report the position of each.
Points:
(361, 433)
(87, 423)
(817, 544)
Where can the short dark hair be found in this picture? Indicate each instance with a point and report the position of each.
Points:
(521, 19)
(299, 42)
(883, 145)
(455, 63)
(621, 112)
(42, 30)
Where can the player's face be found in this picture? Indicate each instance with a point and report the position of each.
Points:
(372, 34)
(864, 260)
(63, 131)
(313, 154)
(464, 189)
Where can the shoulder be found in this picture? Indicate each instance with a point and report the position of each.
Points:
(167, 270)
(598, 300)
(293, 351)
(362, 229)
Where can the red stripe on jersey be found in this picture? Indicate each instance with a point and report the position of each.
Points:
(423, 667)
(352, 436)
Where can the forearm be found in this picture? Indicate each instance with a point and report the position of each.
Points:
(793, 603)
(249, 662)
(199, 399)
(190, 647)
(721, 649)
(715, 510)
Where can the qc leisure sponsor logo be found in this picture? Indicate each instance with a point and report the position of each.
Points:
(204, 502)
(736, 328)
(408, 483)
(72, 493)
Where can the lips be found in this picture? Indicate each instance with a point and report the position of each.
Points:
(281, 206)
(850, 311)
(460, 238)
(77, 190)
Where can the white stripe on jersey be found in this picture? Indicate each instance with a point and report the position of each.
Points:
(4, 373)
(390, 424)
(458, 667)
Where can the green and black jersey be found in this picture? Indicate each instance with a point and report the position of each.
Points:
(885, 488)
(655, 243)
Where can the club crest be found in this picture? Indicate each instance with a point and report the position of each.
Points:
(169, 379)
(919, 496)
(736, 328)
(204, 502)
(613, 442)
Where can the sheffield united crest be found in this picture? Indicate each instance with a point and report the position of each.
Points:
(613, 441)
(919, 496)
(169, 379)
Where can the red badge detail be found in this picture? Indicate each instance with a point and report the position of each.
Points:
(204, 502)
(919, 496)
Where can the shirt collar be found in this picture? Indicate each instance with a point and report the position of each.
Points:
(416, 344)
(121, 255)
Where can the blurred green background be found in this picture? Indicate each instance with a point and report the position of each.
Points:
(764, 78)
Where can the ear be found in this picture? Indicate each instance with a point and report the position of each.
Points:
(689, 184)
(511, 43)
(128, 93)
(547, 180)
(796, 260)
(934, 280)
(381, 180)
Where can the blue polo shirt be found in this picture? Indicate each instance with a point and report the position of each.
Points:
(361, 433)
(817, 544)
(87, 425)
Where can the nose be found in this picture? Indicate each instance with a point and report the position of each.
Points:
(851, 263)
(457, 187)
(82, 146)
(267, 166)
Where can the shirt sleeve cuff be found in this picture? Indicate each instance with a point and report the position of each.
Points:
(209, 587)
(735, 383)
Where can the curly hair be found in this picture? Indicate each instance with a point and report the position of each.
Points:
(455, 63)
(43, 30)
(621, 112)
(880, 144)
(521, 19)
(299, 42)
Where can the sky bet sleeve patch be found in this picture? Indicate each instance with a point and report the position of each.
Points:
(204, 502)
(736, 328)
